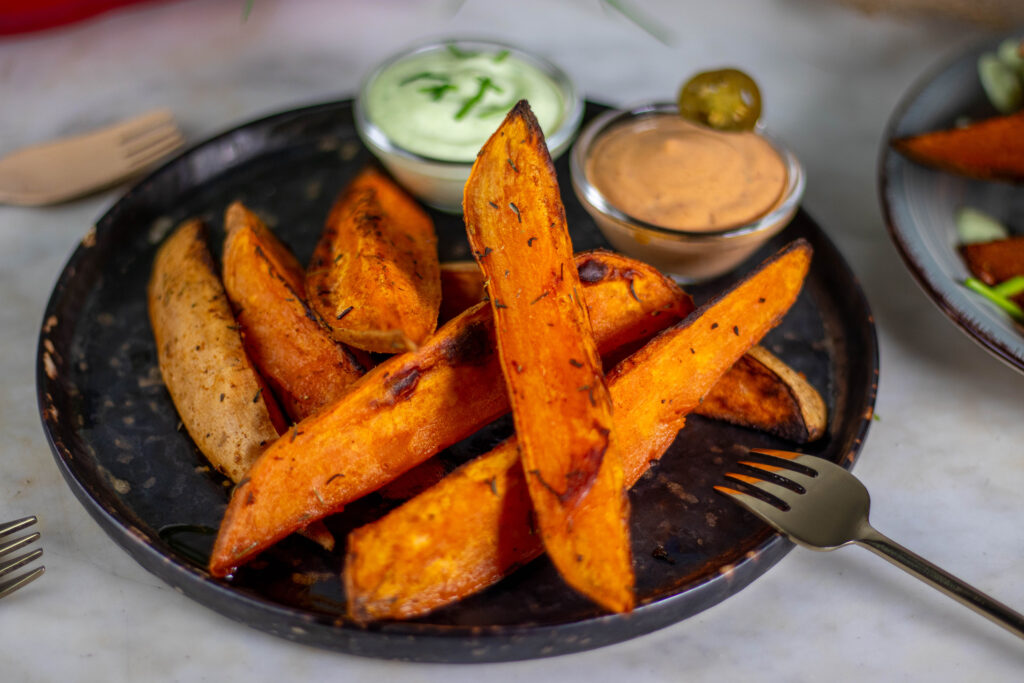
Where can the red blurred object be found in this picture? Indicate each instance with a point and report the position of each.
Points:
(23, 16)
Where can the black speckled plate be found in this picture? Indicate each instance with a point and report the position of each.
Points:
(920, 203)
(118, 442)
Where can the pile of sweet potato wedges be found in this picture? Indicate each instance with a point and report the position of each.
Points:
(313, 387)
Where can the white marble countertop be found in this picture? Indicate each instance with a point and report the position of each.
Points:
(943, 461)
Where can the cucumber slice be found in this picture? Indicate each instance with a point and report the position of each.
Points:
(1009, 54)
(1000, 83)
(974, 226)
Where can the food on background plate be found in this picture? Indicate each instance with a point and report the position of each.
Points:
(553, 375)
(1002, 75)
(222, 400)
(425, 112)
(404, 411)
(991, 149)
(373, 278)
(994, 258)
(475, 526)
(288, 343)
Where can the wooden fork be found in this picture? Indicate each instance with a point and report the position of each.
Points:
(71, 167)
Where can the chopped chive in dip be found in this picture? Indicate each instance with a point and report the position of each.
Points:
(485, 84)
(444, 102)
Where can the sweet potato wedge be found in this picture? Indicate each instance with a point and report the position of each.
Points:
(374, 274)
(293, 350)
(462, 285)
(989, 149)
(401, 413)
(562, 410)
(474, 527)
(221, 399)
(762, 392)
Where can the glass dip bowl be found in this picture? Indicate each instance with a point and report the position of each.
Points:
(427, 111)
(693, 254)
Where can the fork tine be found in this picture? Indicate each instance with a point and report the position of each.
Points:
(156, 138)
(9, 566)
(792, 476)
(765, 511)
(20, 542)
(17, 525)
(23, 580)
(142, 124)
(155, 153)
(786, 495)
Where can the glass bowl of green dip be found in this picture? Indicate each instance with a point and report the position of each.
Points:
(427, 111)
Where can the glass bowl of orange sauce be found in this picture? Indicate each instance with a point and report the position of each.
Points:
(692, 201)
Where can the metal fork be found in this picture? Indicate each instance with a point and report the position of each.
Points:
(821, 506)
(8, 586)
(71, 167)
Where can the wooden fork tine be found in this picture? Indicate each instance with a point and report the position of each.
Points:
(142, 124)
(144, 159)
(169, 139)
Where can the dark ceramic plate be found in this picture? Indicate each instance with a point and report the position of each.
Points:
(920, 203)
(118, 442)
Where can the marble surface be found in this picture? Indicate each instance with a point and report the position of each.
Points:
(943, 460)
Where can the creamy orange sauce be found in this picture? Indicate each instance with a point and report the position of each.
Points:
(669, 172)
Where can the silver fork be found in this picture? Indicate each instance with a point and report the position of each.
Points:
(821, 506)
(8, 586)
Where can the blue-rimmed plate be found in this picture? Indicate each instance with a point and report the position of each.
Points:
(920, 203)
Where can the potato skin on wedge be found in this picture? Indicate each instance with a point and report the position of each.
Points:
(401, 413)
(374, 276)
(761, 392)
(223, 403)
(285, 339)
(476, 525)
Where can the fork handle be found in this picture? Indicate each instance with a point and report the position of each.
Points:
(960, 591)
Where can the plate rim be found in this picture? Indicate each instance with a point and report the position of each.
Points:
(766, 550)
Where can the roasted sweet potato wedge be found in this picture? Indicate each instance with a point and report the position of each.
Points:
(762, 392)
(462, 286)
(475, 526)
(374, 274)
(988, 149)
(221, 399)
(562, 410)
(398, 415)
(293, 350)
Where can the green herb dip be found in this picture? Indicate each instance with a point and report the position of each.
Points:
(444, 103)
